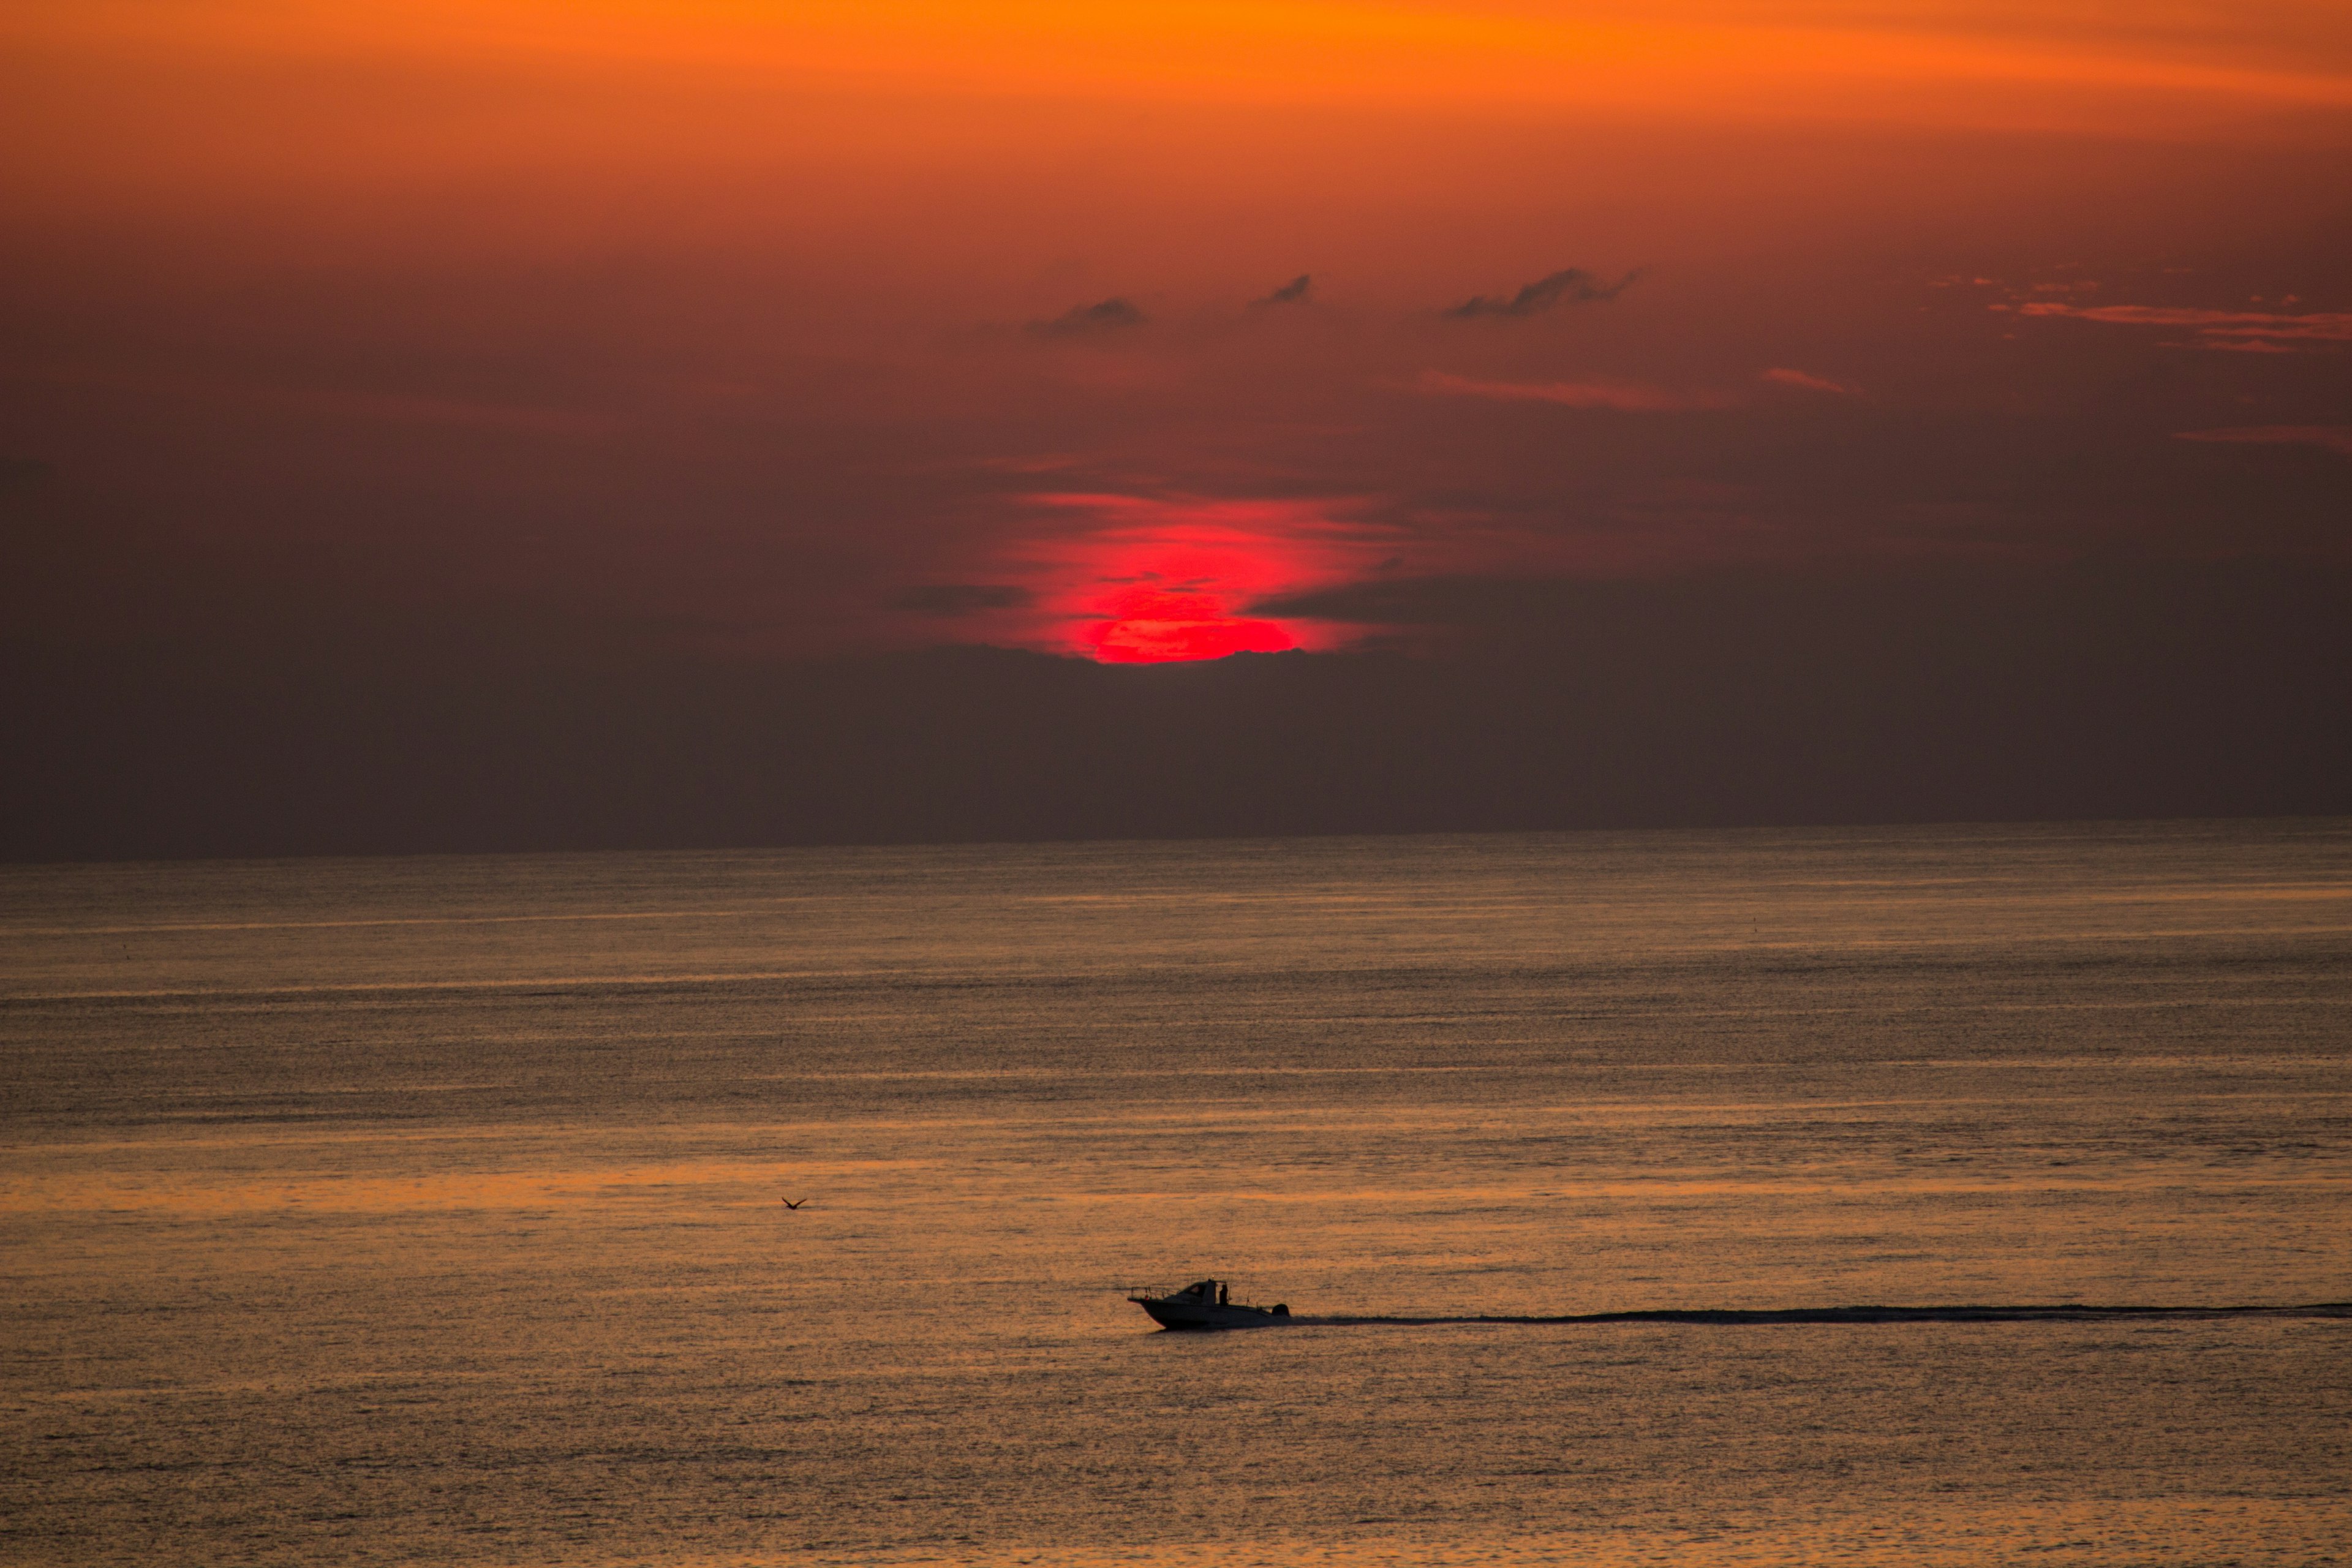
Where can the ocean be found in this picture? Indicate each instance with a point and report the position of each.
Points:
(430, 1210)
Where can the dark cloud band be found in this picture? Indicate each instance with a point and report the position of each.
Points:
(1110, 315)
(1570, 286)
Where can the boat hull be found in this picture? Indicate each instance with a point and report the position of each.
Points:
(1171, 1313)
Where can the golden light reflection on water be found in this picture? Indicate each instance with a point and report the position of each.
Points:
(498, 1271)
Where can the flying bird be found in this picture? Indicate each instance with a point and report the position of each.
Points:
(791, 1204)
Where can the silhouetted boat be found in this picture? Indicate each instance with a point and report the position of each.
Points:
(1205, 1304)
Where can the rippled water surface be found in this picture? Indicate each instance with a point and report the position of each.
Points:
(428, 1210)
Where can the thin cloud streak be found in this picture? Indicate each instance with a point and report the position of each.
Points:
(1619, 397)
(954, 600)
(1807, 382)
(2334, 437)
(2231, 329)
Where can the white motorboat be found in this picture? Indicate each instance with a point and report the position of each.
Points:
(1205, 1304)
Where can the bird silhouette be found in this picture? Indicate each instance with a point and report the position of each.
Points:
(790, 1205)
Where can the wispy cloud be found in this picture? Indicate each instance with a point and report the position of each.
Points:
(1294, 292)
(2334, 438)
(1623, 396)
(1570, 286)
(1807, 382)
(949, 600)
(1110, 315)
(2253, 331)
(2235, 346)
(1034, 463)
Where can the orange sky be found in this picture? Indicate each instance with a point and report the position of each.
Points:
(1485, 52)
(767, 323)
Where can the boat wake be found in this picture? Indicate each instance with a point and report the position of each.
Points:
(1739, 1318)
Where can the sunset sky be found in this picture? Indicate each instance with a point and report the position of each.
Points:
(764, 331)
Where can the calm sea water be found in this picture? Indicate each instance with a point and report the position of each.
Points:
(427, 1210)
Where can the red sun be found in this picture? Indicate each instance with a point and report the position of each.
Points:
(1175, 580)
(1153, 625)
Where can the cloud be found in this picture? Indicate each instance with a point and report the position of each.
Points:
(2260, 332)
(1798, 378)
(1110, 315)
(2334, 438)
(1572, 285)
(952, 599)
(1038, 463)
(1291, 293)
(1623, 396)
